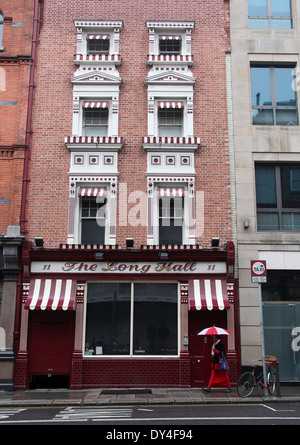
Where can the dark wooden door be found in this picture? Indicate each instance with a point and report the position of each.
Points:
(200, 346)
(50, 342)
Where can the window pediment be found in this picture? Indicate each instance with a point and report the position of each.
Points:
(170, 77)
(97, 77)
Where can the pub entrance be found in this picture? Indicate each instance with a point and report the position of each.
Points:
(200, 346)
(50, 347)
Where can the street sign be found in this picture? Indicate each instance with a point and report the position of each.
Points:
(259, 275)
(258, 271)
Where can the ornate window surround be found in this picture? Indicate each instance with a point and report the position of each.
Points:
(110, 182)
(157, 181)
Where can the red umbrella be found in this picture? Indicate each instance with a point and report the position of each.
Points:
(213, 330)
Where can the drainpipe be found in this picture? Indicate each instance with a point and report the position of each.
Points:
(36, 22)
(35, 33)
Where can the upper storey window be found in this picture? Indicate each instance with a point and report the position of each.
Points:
(269, 14)
(97, 44)
(98, 41)
(170, 44)
(273, 96)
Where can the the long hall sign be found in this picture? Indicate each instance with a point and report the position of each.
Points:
(169, 267)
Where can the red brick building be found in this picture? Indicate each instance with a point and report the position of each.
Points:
(129, 184)
(16, 71)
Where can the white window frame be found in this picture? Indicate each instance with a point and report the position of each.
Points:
(177, 28)
(103, 126)
(187, 112)
(188, 228)
(78, 112)
(108, 27)
(184, 120)
(110, 184)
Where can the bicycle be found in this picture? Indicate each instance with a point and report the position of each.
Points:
(248, 380)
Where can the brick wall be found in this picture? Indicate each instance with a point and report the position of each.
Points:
(133, 373)
(14, 81)
(50, 159)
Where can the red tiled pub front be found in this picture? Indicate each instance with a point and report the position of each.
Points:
(113, 317)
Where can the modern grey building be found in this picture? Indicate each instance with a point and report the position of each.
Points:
(264, 133)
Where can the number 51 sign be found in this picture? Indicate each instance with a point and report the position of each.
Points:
(258, 271)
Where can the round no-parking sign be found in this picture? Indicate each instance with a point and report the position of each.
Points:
(258, 271)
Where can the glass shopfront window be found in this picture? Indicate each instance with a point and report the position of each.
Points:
(281, 312)
(132, 319)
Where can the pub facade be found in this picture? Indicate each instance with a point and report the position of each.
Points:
(128, 251)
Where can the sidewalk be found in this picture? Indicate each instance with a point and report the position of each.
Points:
(158, 396)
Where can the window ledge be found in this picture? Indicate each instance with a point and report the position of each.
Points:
(110, 143)
(170, 60)
(98, 58)
(158, 143)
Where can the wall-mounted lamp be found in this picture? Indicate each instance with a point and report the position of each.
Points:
(215, 242)
(163, 255)
(39, 242)
(99, 255)
(246, 224)
(129, 242)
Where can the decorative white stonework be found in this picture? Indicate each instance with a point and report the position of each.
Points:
(187, 186)
(181, 29)
(167, 163)
(111, 28)
(94, 162)
(96, 78)
(107, 181)
(170, 80)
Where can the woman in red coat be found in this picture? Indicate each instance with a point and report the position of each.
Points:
(218, 378)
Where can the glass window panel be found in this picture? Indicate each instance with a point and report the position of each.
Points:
(91, 232)
(265, 186)
(108, 319)
(257, 7)
(267, 221)
(282, 285)
(167, 46)
(155, 319)
(281, 8)
(291, 221)
(95, 131)
(263, 116)
(170, 131)
(285, 96)
(295, 179)
(171, 234)
(281, 24)
(98, 46)
(286, 117)
(258, 23)
(261, 86)
(290, 186)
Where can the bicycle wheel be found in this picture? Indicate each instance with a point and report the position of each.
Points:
(271, 380)
(246, 384)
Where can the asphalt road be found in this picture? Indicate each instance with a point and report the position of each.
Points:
(152, 421)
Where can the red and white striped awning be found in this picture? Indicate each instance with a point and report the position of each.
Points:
(95, 105)
(92, 191)
(170, 38)
(97, 37)
(170, 192)
(55, 294)
(208, 294)
(170, 105)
